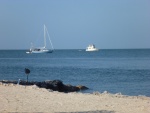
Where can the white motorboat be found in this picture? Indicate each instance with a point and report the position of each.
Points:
(42, 49)
(91, 47)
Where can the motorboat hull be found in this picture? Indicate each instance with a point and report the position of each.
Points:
(92, 50)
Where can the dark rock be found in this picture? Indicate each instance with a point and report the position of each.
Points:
(58, 85)
(8, 81)
(80, 87)
(70, 88)
(55, 85)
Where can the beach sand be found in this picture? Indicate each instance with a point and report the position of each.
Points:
(17, 98)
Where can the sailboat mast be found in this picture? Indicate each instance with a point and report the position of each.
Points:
(44, 36)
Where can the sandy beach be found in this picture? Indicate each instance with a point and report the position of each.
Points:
(17, 98)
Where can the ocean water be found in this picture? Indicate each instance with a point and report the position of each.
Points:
(119, 70)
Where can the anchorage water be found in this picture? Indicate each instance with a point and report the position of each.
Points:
(126, 71)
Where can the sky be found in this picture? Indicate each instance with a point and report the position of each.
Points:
(74, 24)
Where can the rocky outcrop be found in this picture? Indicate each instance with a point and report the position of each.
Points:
(55, 85)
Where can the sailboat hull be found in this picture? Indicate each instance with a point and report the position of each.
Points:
(42, 51)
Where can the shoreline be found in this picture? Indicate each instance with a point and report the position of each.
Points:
(17, 98)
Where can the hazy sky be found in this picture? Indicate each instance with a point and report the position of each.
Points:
(74, 24)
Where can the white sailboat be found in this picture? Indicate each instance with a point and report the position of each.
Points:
(42, 49)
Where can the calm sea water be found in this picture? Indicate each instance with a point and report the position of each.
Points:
(126, 71)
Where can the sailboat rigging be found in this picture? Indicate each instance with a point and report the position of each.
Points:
(42, 49)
